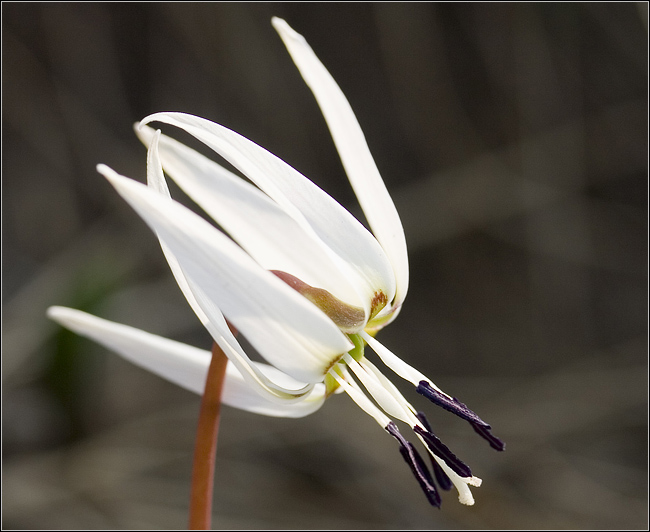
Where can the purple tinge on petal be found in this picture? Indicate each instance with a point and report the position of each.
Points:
(452, 405)
(417, 465)
(484, 432)
(443, 479)
(442, 451)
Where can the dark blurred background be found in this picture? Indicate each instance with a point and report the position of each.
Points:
(513, 138)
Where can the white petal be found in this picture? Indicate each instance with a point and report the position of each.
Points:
(238, 393)
(156, 180)
(291, 333)
(351, 144)
(351, 245)
(179, 363)
(217, 326)
(251, 218)
(183, 364)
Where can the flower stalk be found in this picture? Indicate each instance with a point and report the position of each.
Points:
(205, 447)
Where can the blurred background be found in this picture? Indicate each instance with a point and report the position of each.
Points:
(513, 139)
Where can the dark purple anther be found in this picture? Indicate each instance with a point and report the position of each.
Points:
(425, 422)
(443, 479)
(494, 442)
(452, 405)
(417, 465)
(419, 469)
(442, 451)
(460, 409)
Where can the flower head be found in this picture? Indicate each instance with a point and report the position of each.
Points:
(304, 281)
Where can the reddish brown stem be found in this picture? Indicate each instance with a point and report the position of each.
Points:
(206, 443)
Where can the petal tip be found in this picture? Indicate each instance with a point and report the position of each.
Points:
(279, 23)
(55, 312)
(64, 316)
(144, 133)
(283, 28)
(110, 174)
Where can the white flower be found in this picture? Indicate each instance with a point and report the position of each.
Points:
(304, 281)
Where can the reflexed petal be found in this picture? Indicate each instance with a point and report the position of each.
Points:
(352, 246)
(156, 180)
(239, 394)
(351, 144)
(254, 220)
(217, 326)
(179, 363)
(183, 364)
(291, 333)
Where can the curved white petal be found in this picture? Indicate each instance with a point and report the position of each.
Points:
(351, 144)
(217, 326)
(179, 363)
(289, 331)
(156, 180)
(238, 393)
(251, 218)
(183, 364)
(355, 250)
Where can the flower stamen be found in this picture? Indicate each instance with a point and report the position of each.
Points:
(442, 451)
(454, 406)
(484, 432)
(443, 480)
(417, 465)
